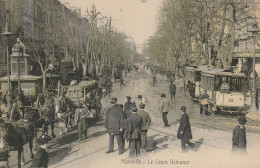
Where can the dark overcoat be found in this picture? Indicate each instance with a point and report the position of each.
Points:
(239, 138)
(114, 119)
(133, 125)
(40, 159)
(172, 88)
(185, 128)
(128, 106)
(146, 119)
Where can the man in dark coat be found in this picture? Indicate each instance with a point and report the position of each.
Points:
(41, 158)
(172, 89)
(128, 105)
(184, 130)
(114, 124)
(239, 136)
(145, 125)
(133, 125)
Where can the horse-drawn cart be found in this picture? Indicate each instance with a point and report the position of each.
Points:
(87, 92)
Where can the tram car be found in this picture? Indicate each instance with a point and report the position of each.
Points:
(234, 99)
(192, 78)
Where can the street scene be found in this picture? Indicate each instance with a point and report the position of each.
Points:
(146, 83)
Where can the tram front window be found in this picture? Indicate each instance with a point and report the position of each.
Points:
(231, 85)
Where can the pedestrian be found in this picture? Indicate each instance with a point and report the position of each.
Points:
(128, 106)
(121, 81)
(81, 114)
(204, 98)
(133, 125)
(141, 100)
(114, 124)
(164, 109)
(146, 121)
(41, 157)
(184, 130)
(172, 89)
(239, 136)
(15, 114)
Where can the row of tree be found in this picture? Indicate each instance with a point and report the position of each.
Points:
(199, 32)
(104, 47)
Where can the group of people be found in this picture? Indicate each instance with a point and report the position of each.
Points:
(127, 123)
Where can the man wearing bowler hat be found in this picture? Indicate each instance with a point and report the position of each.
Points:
(184, 130)
(164, 109)
(239, 136)
(114, 124)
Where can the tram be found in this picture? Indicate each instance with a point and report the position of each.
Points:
(192, 78)
(234, 100)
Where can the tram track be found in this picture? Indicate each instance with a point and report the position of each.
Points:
(203, 126)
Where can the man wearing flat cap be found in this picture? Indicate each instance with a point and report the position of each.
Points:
(114, 124)
(164, 109)
(239, 136)
(184, 130)
(41, 158)
(81, 114)
(133, 125)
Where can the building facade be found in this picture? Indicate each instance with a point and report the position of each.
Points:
(46, 23)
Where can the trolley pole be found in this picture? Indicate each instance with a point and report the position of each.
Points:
(253, 109)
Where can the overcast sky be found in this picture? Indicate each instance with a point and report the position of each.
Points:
(135, 18)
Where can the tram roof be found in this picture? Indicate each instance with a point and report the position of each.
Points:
(223, 72)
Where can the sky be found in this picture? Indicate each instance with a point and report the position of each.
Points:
(137, 19)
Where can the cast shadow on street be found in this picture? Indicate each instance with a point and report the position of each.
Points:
(161, 140)
(197, 144)
(58, 155)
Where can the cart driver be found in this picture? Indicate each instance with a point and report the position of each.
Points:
(225, 86)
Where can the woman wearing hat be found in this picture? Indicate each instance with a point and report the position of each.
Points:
(239, 136)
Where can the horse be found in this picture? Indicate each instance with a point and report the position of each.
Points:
(44, 115)
(64, 109)
(15, 135)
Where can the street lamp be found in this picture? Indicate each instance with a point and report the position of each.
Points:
(18, 51)
(7, 34)
(254, 32)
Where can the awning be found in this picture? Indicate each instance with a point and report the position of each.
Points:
(245, 55)
(22, 77)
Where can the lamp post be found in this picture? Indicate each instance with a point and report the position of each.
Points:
(18, 51)
(254, 32)
(8, 98)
